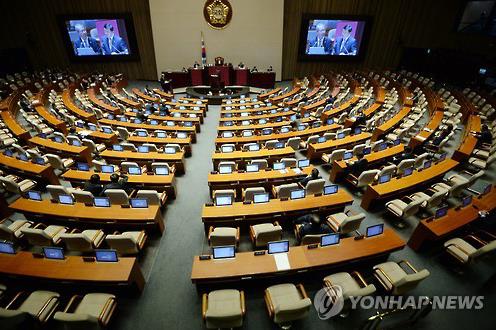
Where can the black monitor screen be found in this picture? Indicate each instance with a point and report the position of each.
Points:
(34, 195)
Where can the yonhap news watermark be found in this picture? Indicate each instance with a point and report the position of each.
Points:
(329, 302)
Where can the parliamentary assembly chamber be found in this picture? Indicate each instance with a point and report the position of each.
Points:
(261, 164)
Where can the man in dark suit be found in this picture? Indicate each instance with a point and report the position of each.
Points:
(93, 185)
(346, 44)
(84, 41)
(311, 225)
(117, 182)
(320, 39)
(358, 166)
(313, 176)
(112, 44)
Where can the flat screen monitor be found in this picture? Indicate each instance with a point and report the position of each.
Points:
(107, 169)
(329, 239)
(301, 127)
(303, 163)
(266, 131)
(247, 133)
(297, 194)
(321, 139)
(228, 123)
(260, 198)
(66, 199)
(340, 136)
(23, 157)
(139, 203)
(39, 161)
(101, 202)
(153, 122)
(467, 200)
(408, 171)
(83, 167)
(160, 134)
(123, 119)
(263, 121)
(252, 168)
(8, 153)
(170, 123)
(443, 156)
(223, 200)
(161, 170)
(224, 252)
(487, 189)
(7, 247)
(330, 121)
(279, 166)
(333, 37)
(253, 147)
(366, 151)
(396, 142)
(225, 169)
(279, 145)
(76, 143)
(134, 170)
(278, 247)
(143, 149)
(34, 195)
(106, 255)
(93, 127)
(227, 134)
(56, 253)
(441, 212)
(358, 130)
(169, 150)
(427, 164)
(348, 155)
(188, 124)
(382, 146)
(331, 189)
(227, 149)
(107, 130)
(292, 118)
(182, 135)
(58, 139)
(384, 178)
(245, 123)
(284, 129)
(375, 230)
(142, 133)
(117, 147)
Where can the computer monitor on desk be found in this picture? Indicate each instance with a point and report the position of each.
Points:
(347, 155)
(133, 170)
(117, 147)
(223, 200)
(83, 167)
(487, 189)
(101, 202)
(303, 163)
(384, 178)
(467, 200)
(7, 247)
(441, 212)
(66, 199)
(261, 198)
(329, 239)
(225, 169)
(297, 194)
(139, 203)
(278, 247)
(56, 253)
(106, 255)
(224, 252)
(278, 166)
(252, 168)
(34, 195)
(107, 169)
(330, 189)
(375, 230)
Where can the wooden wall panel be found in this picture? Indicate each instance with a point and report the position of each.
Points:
(396, 24)
(33, 24)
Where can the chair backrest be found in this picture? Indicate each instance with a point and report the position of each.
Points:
(37, 237)
(436, 198)
(315, 186)
(485, 249)
(262, 163)
(10, 185)
(151, 147)
(457, 189)
(128, 146)
(176, 146)
(126, 165)
(90, 144)
(419, 160)
(367, 177)
(390, 169)
(409, 282)
(312, 139)
(56, 190)
(289, 162)
(123, 244)
(117, 196)
(358, 149)
(154, 165)
(284, 191)
(337, 155)
(77, 242)
(404, 164)
(232, 165)
(351, 223)
(219, 237)
(152, 196)
(294, 143)
(6, 233)
(55, 161)
(82, 196)
(269, 234)
(311, 239)
(271, 144)
(98, 164)
(412, 208)
(123, 133)
(249, 192)
(225, 193)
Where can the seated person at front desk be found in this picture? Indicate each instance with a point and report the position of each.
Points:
(254, 69)
(360, 120)
(117, 182)
(358, 166)
(439, 137)
(93, 185)
(241, 65)
(484, 137)
(312, 176)
(196, 65)
(311, 224)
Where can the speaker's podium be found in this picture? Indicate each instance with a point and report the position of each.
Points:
(242, 76)
(196, 75)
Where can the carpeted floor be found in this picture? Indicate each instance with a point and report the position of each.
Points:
(170, 300)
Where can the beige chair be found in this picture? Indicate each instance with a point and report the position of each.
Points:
(16, 187)
(289, 162)
(264, 233)
(94, 309)
(294, 143)
(271, 144)
(86, 241)
(95, 148)
(154, 165)
(175, 146)
(39, 236)
(395, 279)
(223, 309)
(232, 165)
(220, 236)
(358, 149)
(403, 165)
(38, 306)
(315, 187)
(56, 190)
(261, 163)
(11, 230)
(129, 146)
(454, 188)
(389, 170)
(123, 133)
(81, 196)
(128, 242)
(117, 196)
(433, 199)
(284, 191)
(335, 155)
(345, 222)
(224, 193)
(153, 197)
(126, 165)
(466, 250)
(307, 239)
(404, 208)
(151, 147)
(287, 303)
(249, 192)
(365, 178)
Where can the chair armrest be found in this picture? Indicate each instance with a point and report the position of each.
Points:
(237, 235)
(71, 302)
(297, 232)
(386, 276)
(476, 240)
(243, 304)
(359, 278)
(109, 306)
(14, 300)
(210, 231)
(252, 235)
(142, 239)
(406, 262)
(302, 290)
(269, 304)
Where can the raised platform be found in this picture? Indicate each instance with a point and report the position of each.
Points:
(205, 92)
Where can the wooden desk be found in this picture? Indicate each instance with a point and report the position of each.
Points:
(267, 94)
(124, 100)
(258, 117)
(280, 98)
(28, 169)
(161, 119)
(335, 111)
(184, 143)
(400, 186)
(313, 106)
(92, 96)
(63, 149)
(429, 230)
(266, 179)
(253, 127)
(391, 123)
(163, 94)
(247, 266)
(374, 159)
(144, 96)
(486, 202)
(241, 157)
(108, 139)
(51, 119)
(72, 107)
(469, 142)
(145, 158)
(14, 126)
(73, 270)
(315, 150)
(90, 216)
(428, 131)
(248, 214)
(143, 181)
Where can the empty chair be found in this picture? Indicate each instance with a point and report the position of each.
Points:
(86, 241)
(358, 149)
(264, 233)
(129, 146)
(223, 309)
(39, 236)
(455, 188)
(261, 163)
(284, 191)
(466, 250)
(11, 230)
(128, 242)
(20, 187)
(429, 198)
(386, 170)
(59, 163)
(38, 306)
(482, 164)
(294, 143)
(336, 155)
(404, 208)
(345, 222)
(123, 133)
(457, 178)
(249, 192)
(419, 160)
(151, 147)
(224, 193)
(365, 178)
(175, 146)
(403, 165)
(287, 303)
(315, 186)
(126, 165)
(94, 309)
(395, 279)
(95, 148)
(271, 144)
(56, 190)
(289, 162)
(153, 197)
(220, 236)
(117, 196)
(231, 165)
